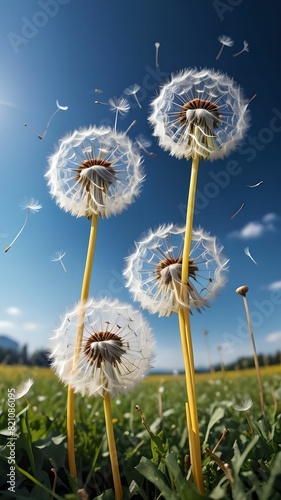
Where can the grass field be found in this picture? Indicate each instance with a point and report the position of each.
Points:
(154, 462)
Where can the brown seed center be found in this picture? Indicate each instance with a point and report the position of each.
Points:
(104, 346)
(196, 104)
(93, 162)
(166, 263)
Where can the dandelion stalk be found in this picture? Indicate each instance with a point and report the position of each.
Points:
(242, 290)
(112, 447)
(84, 296)
(186, 339)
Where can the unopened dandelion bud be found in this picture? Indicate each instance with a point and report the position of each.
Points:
(242, 290)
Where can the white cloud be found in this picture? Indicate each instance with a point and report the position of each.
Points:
(273, 337)
(6, 325)
(272, 287)
(14, 311)
(31, 327)
(256, 229)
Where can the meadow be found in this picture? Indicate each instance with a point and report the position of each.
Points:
(241, 453)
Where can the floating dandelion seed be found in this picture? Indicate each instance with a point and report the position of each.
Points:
(153, 271)
(133, 90)
(130, 126)
(225, 41)
(95, 171)
(58, 258)
(247, 252)
(245, 49)
(255, 185)
(157, 45)
(239, 210)
(119, 105)
(41, 136)
(116, 351)
(199, 114)
(143, 144)
(23, 388)
(244, 405)
(30, 205)
(98, 91)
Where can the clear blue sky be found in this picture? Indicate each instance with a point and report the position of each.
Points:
(63, 50)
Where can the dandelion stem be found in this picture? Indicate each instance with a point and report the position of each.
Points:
(186, 339)
(84, 296)
(20, 231)
(112, 447)
(255, 353)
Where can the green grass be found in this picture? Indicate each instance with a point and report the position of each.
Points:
(152, 466)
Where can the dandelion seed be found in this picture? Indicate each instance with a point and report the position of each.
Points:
(143, 144)
(239, 210)
(41, 136)
(95, 171)
(58, 258)
(103, 103)
(133, 90)
(225, 41)
(244, 405)
(130, 126)
(98, 91)
(30, 205)
(119, 105)
(255, 185)
(245, 49)
(247, 252)
(157, 45)
(111, 360)
(199, 114)
(153, 271)
(23, 388)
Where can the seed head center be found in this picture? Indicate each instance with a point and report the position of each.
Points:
(198, 107)
(104, 346)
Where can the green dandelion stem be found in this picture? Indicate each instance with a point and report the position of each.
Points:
(256, 361)
(84, 297)
(112, 447)
(186, 338)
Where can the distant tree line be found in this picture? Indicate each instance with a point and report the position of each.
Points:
(41, 358)
(21, 357)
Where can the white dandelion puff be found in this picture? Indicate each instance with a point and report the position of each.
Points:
(225, 42)
(153, 271)
(247, 252)
(116, 353)
(244, 405)
(23, 388)
(119, 105)
(133, 90)
(30, 205)
(245, 49)
(58, 256)
(41, 136)
(95, 171)
(200, 114)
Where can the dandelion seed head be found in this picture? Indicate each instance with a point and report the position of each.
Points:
(199, 113)
(153, 271)
(116, 351)
(132, 89)
(244, 405)
(120, 104)
(95, 171)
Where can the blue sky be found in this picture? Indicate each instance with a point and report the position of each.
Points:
(63, 50)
